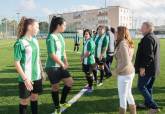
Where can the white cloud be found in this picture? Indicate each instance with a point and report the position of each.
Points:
(152, 10)
(27, 5)
(132, 4)
(47, 11)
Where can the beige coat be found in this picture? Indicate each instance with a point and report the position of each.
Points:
(124, 56)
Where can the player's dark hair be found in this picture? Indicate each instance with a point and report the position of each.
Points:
(87, 30)
(101, 26)
(55, 22)
(107, 29)
(113, 30)
(23, 26)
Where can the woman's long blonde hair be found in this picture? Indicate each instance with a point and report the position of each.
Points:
(123, 34)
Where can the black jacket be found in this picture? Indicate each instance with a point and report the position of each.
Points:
(148, 55)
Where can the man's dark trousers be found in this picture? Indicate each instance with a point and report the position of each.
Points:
(145, 86)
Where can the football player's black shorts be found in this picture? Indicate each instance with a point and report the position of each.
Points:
(56, 74)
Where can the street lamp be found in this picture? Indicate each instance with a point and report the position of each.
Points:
(105, 3)
(18, 15)
(105, 12)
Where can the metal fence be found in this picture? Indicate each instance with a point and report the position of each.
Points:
(8, 29)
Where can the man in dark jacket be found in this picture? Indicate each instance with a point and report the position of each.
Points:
(147, 65)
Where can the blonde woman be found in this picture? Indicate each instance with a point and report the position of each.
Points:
(125, 69)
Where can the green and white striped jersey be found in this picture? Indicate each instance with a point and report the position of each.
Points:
(55, 44)
(89, 46)
(101, 43)
(27, 52)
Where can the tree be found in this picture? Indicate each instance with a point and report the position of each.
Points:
(43, 26)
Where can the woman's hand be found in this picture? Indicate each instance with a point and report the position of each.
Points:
(101, 57)
(142, 72)
(29, 84)
(64, 66)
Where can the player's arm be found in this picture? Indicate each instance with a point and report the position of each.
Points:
(56, 59)
(81, 56)
(105, 46)
(20, 70)
(17, 58)
(88, 52)
(103, 51)
(65, 59)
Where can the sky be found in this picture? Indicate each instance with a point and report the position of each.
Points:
(150, 9)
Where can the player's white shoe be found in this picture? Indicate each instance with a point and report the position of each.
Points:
(57, 111)
(100, 84)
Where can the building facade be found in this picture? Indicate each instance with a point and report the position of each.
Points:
(111, 16)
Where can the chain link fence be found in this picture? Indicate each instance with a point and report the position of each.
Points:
(8, 28)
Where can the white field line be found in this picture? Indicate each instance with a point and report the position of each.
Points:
(71, 101)
(78, 95)
(75, 98)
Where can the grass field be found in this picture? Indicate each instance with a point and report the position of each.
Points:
(104, 100)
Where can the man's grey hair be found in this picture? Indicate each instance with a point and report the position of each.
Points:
(149, 25)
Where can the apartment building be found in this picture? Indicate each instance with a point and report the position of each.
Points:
(111, 16)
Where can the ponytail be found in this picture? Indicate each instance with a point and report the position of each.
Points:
(23, 26)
